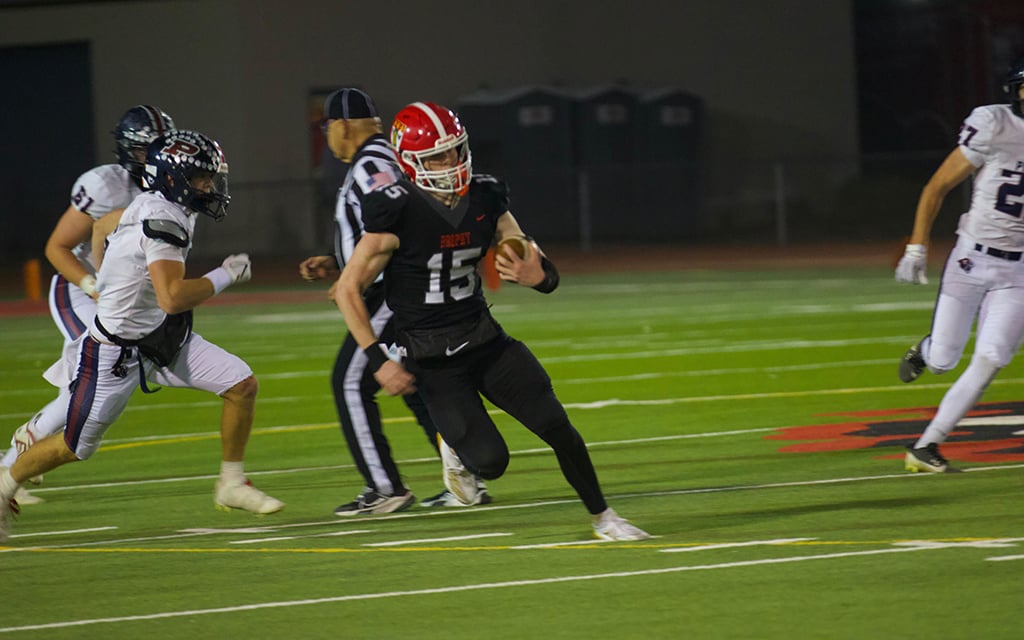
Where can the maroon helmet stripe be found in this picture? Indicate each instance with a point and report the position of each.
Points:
(154, 116)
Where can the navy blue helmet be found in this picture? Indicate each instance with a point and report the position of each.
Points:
(139, 126)
(177, 161)
(1011, 85)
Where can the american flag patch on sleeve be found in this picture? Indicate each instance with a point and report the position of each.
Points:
(378, 180)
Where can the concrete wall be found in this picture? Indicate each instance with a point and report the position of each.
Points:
(778, 77)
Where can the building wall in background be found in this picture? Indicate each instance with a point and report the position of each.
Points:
(778, 78)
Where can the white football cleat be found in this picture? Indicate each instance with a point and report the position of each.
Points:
(22, 495)
(457, 478)
(609, 525)
(22, 440)
(244, 496)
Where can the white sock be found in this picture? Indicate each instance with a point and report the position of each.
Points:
(49, 420)
(926, 347)
(607, 513)
(232, 472)
(960, 398)
(8, 486)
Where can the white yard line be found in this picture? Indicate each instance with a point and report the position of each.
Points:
(553, 545)
(737, 347)
(60, 533)
(599, 404)
(689, 373)
(733, 545)
(256, 606)
(612, 402)
(435, 513)
(332, 534)
(892, 388)
(400, 543)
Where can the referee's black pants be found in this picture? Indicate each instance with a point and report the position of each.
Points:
(354, 395)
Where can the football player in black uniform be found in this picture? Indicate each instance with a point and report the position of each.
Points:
(426, 233)
(354, 135)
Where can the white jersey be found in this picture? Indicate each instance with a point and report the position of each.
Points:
(992, 139)
(150, 230)
(97, 192)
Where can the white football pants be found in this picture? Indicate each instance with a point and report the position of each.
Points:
(98, 397)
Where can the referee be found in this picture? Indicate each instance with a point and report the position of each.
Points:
(354, 135)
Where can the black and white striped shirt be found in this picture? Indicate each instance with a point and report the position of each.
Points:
(374, 165)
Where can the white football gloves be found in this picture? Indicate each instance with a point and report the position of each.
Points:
(239, 267)
(88, 285)
(234, 270)
(913, 265)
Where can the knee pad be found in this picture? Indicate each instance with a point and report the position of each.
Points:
(484, 453)
(993, 355)
(940, 361)
(490, 466)
(982, 369)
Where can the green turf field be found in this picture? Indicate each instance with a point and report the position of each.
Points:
(752, 422)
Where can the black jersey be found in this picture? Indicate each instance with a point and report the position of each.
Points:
(373, 165)
(431, 279)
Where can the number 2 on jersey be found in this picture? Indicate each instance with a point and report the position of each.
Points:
(459, 280)
(1011, 190)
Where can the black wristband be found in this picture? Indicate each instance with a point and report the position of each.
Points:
(550, 281)
(376, 357)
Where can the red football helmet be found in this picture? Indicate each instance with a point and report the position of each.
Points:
(423, 131)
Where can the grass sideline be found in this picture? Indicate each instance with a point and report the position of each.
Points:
(718, 408)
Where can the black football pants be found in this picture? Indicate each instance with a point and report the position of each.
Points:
(506, 373)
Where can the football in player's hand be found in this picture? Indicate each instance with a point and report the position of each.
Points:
(519, 244)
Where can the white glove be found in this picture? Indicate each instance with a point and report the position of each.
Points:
(234, 269)
(913, 265)
(88, 285)
(239, 267)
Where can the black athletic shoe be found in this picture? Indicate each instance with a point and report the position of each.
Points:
(370, 502)
(447, 499)
(927, 459)
(912, 365)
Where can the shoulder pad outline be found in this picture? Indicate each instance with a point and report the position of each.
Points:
(167, 230)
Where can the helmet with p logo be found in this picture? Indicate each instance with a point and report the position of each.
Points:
(189, 168)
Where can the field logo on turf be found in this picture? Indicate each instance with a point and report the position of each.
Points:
(990, 433)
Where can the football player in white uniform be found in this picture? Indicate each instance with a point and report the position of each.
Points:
(984, 275)
(97, 192)
(142, 328)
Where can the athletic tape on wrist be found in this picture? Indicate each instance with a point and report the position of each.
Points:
(88, 285)
(220, 278)
(916, 250)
